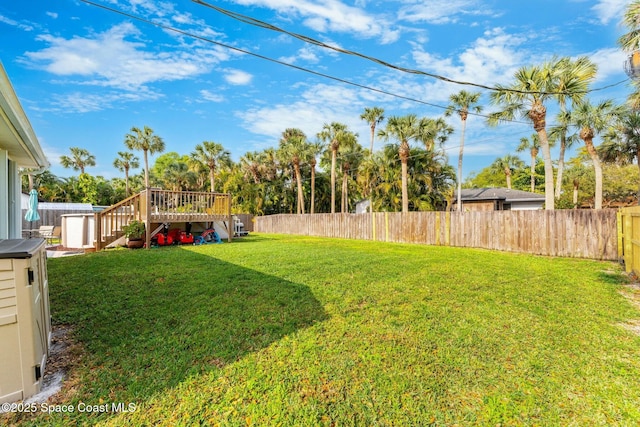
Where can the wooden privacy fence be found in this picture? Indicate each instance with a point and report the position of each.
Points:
(629, 238)
(566, 233)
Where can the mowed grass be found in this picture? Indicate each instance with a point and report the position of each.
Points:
(294, 331)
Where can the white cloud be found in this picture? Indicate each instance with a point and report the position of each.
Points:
(82, 102)
(207, 95)
(13, 23)
(238, 77)
(491, 59)
(608, 10)
(109, 59)
(331, 15)
(52, 15)
(609, 61)
(318, 104)
(307, 54)
(439, 11)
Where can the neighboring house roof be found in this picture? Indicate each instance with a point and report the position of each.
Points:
(477, 194)
(16, 134)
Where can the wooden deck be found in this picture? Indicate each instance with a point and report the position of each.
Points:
(162, 206)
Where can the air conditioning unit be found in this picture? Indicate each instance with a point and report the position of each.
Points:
(25, 321)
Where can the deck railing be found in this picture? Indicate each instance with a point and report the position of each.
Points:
(163, 206)
(175, 205)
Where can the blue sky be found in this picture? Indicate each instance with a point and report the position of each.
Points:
(85, 75)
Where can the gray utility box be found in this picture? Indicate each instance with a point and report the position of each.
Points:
(25, 321)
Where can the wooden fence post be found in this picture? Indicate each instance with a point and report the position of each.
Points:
(619, 219)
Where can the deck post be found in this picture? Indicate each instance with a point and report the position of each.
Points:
(231, 226)
(147, 217)
(97, 230)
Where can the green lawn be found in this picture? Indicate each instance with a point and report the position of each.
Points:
(293, 331)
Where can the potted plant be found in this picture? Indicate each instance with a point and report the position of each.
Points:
(135, 234)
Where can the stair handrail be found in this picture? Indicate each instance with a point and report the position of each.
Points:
(112, 219)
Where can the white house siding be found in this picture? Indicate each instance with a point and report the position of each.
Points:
(526, 206)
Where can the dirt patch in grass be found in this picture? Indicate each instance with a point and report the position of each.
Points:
(631, 291)
(59, 382)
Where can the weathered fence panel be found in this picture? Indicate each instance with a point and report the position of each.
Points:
(567, 233)
(50, 217)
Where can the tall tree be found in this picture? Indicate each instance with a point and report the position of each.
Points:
(630, 41)
(373, 116)
(462, 103)
(591, 120)
(506, 165)
(533, 145)
(213, 155)
(144, 140)
(350, 156)
(333, 134)
(525, 98)
(294, 148)
(79, 159)
(251, 166)
(403, 129)
(315, 149)
(622, 145)
(124, 163)
(571, 81)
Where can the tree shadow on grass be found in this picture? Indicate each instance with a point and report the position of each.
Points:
(150, 319)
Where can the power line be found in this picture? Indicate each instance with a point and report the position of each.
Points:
(266, 58)
(195, 36)
(262, 24)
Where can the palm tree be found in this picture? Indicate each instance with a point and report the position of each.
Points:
(79, 159)
(506, 165)
(461, 103)
(404, 129)
(124, 163)
(622, 146)
(144, 139)
(315, 149)
(592, 120)
(213, 155)
(432, 130)
(251, 166)
(350, 156)
(369, 172)
(631, 40)
(533, 145)
(525, 97)
(294, 147)
(333, 134)
(571, 81)
(374, 116)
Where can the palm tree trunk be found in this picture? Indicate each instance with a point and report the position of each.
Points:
(345, 194)
(533, 172)
(126, 182)
(146, 171)
(576, 186)
(549, 200)
(597, 168)
(300, 204)
(405, 192)
(333, 180)
(212, 179)
(563, 147)
(373, 131)
(462, 130)
(313, 188)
